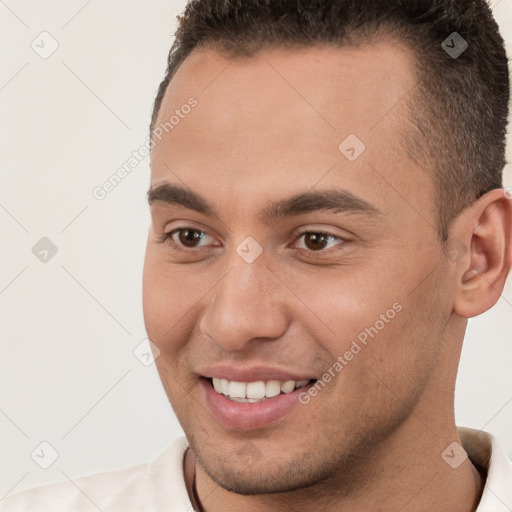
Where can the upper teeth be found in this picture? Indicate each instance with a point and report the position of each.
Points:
(255, 391)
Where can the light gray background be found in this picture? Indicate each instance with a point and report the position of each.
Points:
(69, 326)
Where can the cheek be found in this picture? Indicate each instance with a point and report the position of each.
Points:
(172, 297)
(403, 356)
(341, 304)
(162, 303)
(371, 320)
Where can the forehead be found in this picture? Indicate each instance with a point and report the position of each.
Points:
(346, 88)
(276, 119)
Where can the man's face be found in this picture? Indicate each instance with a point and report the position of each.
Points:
(261, 297)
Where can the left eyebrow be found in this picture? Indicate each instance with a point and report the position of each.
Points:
(330, 201)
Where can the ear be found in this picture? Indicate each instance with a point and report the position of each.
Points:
(480, 247)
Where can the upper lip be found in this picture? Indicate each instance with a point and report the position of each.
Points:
(251, 373)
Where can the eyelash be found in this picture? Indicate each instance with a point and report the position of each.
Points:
(167, 238)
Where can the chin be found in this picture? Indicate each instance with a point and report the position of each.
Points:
(249, 473)
(250, 482)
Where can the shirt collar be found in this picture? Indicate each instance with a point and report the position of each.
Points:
(489, 458)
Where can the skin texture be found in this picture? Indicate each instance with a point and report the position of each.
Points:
(265, 128)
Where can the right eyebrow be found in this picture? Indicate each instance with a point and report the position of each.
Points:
(169, 193)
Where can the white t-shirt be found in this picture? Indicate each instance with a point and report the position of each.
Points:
(159, 485)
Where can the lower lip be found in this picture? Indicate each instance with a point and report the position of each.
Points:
(247, 415)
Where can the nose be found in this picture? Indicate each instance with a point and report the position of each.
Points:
(247, 303)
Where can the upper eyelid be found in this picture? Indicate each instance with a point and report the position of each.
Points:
(182, 228)
(296, 236)
(299, 233)
(319, 232)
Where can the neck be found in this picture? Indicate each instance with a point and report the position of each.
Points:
(408, 475)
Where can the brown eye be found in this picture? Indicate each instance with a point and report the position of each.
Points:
(319, 242)
(315, 241)
(188, 237)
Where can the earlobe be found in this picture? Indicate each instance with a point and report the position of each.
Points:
(484, 229)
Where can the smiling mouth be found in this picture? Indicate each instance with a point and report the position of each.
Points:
(257, 391)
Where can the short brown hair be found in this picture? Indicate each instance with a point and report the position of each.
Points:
(459, 108)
